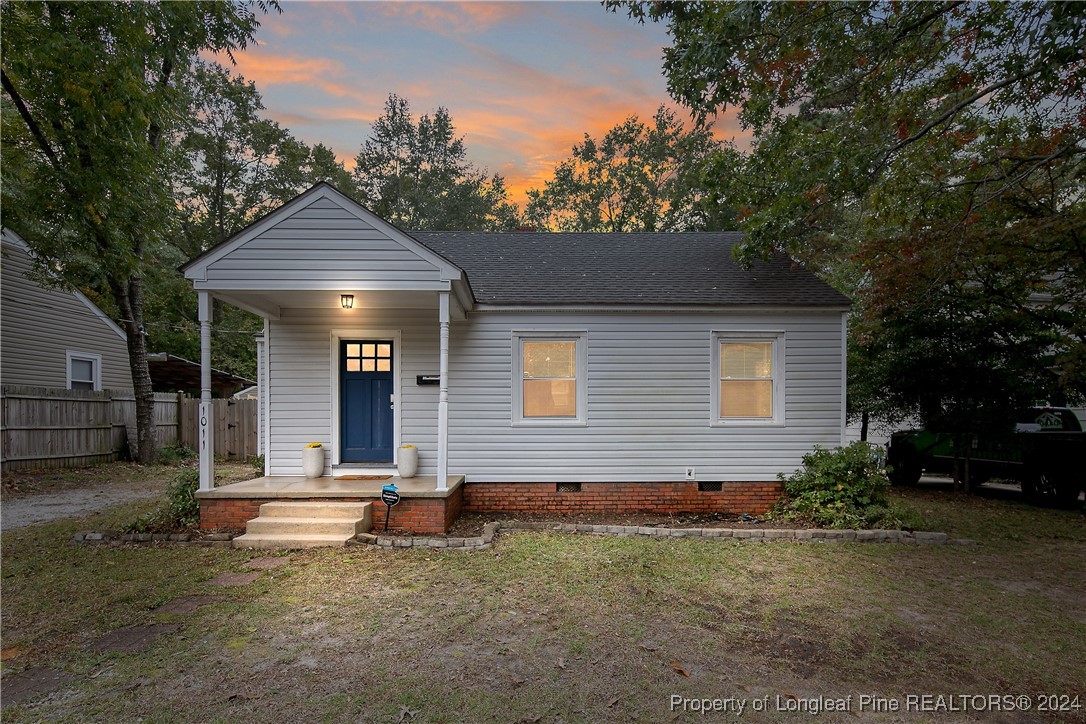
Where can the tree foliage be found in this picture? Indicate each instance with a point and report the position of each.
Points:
(95, 86)
(929, 157)
(416, 175)
(639, 177)
(234, 165)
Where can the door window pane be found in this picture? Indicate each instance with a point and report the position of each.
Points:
(383, 365)
(369, 350)
(384, 350)
(367, 365)
(353, 365)
(353, 350)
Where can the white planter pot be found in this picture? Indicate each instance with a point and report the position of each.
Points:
(313, 462)
(408, 462)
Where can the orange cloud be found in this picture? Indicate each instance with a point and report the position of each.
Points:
(452, 17)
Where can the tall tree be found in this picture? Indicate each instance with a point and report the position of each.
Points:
(234, 165)
(936, 149)
(416, 175)
(95, 86)
(639, 177)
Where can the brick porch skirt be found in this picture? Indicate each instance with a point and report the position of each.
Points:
(418, 515)
(661, 498)
(436, 515)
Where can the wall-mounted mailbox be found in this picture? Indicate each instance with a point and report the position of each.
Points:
(428, 380)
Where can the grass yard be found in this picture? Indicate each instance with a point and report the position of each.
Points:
(553, 627)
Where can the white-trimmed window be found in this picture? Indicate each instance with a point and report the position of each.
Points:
(84, 371)
(748, 378)
(549, 378)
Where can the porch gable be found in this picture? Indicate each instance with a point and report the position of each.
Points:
(320, 240)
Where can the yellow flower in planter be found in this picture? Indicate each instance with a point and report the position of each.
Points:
(407, 446)
(314, 444)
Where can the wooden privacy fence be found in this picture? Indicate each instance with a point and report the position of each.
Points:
(50, 427)
(234, 424)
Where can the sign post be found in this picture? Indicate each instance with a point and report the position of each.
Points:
(390, 497)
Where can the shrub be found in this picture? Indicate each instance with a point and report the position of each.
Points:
(257, 461)
(175, 454)
(841, 488)
(181, 510)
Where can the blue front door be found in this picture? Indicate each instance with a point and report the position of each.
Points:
(365, 406)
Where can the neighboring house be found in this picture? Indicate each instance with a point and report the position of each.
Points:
(533, 371)
(51, 337)
(170, 373)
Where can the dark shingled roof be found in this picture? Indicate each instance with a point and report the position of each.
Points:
(590, 268)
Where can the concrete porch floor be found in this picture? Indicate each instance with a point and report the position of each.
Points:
(296, 486)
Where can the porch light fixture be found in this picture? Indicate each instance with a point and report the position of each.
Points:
(346, 301)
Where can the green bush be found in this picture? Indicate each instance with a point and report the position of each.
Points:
(181, 510)
(841, 488)
(175, 454)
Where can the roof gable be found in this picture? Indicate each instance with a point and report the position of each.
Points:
(321, 235)
(13, 240)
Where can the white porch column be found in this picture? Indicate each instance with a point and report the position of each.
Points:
(443, 395)
(260, 391)
(207, 441)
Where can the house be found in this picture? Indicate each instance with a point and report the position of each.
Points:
(535, 372)
(170, 373)
(52, 337)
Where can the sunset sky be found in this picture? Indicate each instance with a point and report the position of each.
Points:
(522, 81)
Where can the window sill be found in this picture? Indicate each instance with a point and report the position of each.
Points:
(549, 423)
(746, 423)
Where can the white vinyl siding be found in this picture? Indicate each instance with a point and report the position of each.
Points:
(41, 324)
(648, 378)
(300, 384)
(322, 242)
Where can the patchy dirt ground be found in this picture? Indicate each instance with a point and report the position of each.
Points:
(40, 496)
(555, 628)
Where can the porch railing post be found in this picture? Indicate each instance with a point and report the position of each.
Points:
(206, 421)
(443, 395)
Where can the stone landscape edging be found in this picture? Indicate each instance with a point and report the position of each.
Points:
(763, 534)
(486, 539)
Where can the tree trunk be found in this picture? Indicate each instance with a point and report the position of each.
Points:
(865, 417)
(130, 301)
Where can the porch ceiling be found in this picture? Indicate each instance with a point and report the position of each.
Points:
(270, 303)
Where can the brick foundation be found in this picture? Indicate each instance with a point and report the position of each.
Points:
(662, 498)
(436, 515)
(417, 515)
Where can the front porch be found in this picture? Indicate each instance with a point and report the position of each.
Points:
(424, 507)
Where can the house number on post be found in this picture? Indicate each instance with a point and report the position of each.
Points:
(389, 497)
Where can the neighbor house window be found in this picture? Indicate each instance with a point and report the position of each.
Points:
(748, 379)
(84, 371)
(549, 378)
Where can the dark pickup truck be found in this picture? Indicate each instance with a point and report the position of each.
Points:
(1045, 452)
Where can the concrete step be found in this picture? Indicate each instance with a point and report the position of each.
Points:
(314, 509)
(305, 524)
(346, 527)
(280, 541)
